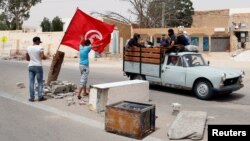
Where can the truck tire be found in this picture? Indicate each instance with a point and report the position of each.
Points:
(203, 89)
(137, 77)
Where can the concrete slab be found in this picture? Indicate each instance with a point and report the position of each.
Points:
(108, 93)
(188, 125)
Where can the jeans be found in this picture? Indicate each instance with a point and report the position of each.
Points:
(36, 71)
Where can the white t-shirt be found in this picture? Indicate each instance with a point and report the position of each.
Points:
(34, 53)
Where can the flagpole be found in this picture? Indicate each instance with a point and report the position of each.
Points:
(57, 61)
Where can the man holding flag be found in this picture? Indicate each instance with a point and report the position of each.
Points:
(88, 30)
(84, 65)
(83, 25)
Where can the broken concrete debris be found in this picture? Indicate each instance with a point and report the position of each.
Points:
(70, 101)
(176, 108)
(82, 102)
(20, 85)
(58, 89)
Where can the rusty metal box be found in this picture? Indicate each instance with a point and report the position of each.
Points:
(131, 119)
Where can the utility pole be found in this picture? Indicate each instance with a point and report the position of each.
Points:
(163, 14)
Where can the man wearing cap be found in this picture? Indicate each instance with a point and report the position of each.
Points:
(35, 55)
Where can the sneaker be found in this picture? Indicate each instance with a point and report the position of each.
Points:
(42, 99)
(31, 100)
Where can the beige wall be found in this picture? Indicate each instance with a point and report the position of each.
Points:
(51, 40)
(124, 31)
(20, 40)
(245, 18)
(215, 18)
(159, 31)
(241, 18)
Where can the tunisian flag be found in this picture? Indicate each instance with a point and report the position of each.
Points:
(83, 25)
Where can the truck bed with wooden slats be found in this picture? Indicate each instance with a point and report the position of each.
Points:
(143, 55)
(145, 61)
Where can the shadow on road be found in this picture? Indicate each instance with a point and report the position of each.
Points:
(218, 98)
(228, 98)
(171, 90)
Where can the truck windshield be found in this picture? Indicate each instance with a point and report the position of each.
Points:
(193, 60)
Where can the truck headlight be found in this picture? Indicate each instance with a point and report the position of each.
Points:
(223, 77)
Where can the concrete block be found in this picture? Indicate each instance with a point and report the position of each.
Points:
(50, 95)
(74, 86)
(59, 89)
(105, 94)
(45, 91)
(44, 83)
(66, 94)
(70, 86)
(58, 97)
(61, 94)
(65, 82)
(54, 83)
(176, 108)
(188, 125)
(20, 85)
(82, 102)
(70, 101)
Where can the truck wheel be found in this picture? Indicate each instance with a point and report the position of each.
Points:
(203, 90)
(137, 77)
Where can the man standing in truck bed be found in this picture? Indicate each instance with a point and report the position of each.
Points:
(172, 41)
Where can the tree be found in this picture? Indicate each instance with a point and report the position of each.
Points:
(17, 11)
(158, 13)
(57, 24)
(178, 13)
(46, 25)
(3, 22)
(139, 8)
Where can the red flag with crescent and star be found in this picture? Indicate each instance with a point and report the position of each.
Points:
(83, 25)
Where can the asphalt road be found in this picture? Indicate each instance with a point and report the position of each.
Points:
(22, 122)
(233, 109)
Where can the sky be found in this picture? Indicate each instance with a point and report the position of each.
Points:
(65, 9)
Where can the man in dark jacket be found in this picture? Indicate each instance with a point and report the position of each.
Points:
(134, 41)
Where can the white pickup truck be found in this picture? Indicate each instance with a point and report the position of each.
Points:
(183, 70)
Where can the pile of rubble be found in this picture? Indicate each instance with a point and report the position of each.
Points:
(58, 89)
(17, 58)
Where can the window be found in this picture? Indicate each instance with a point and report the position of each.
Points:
(158, 40)
(174, 61)
(192, 60)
